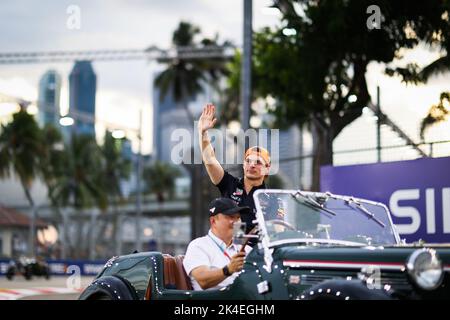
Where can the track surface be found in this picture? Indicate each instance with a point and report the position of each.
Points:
(56, 288)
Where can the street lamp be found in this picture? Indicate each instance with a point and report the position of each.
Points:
(246, 68)
(118, 134)
(66, 121)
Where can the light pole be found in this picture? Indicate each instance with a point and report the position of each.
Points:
(246, 67)
(138, 187)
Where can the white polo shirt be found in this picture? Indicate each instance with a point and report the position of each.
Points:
(210, 251)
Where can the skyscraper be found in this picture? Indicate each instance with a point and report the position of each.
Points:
(168, 115)
(82, 88)
(49, 98)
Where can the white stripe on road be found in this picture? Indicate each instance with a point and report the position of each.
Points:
(14, 294)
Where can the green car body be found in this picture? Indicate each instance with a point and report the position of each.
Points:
(285, 266)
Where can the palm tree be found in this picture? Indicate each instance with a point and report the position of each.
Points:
(80, 186)
(440, 65)
(186, 76)
(116, 169)
(52, 162)
(52, 168)
(160, 179)
(183, 77)
(20, 153)
(436, 114)
(216, 68)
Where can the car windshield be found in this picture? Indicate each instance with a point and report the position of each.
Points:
(290, 216)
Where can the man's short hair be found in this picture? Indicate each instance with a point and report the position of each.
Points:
(259, 151)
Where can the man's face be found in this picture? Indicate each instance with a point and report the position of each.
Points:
(255, 167)
(224, 223)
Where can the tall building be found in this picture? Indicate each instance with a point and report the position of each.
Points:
(168, 115)
(163, 112)
(49, 98)
(82, 88)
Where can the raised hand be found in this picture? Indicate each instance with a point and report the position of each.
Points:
(207, 119)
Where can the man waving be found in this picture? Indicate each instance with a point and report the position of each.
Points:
(256, 168)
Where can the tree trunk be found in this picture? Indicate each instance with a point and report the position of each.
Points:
(32, 230)
(197, 215)
(65, 235)
(189, 114)
(323, 151)
(100, 237)
(118, 234)
(115, 231)
(80, 243)
(92, 242)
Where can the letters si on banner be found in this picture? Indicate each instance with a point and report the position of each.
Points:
(417, 192)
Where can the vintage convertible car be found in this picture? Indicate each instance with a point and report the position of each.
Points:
(322, 246)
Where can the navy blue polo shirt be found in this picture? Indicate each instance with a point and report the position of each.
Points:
(233, 188)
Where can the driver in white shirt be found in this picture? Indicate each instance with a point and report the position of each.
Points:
(214, 261)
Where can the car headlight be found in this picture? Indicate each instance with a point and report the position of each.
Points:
(425, 268)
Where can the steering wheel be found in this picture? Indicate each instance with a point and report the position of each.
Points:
(284, 224)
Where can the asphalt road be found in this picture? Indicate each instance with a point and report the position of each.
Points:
(41, 289)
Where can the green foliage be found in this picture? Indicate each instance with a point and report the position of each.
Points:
(80, 185)
(79, 174)
(185, 33)
(160, 179)
(53, 158)
(185, 77)
(116, 166)
(21, 148)
(313, 73)
(317, 75)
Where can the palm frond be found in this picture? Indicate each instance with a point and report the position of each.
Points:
(437, 113)
(439, 66)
